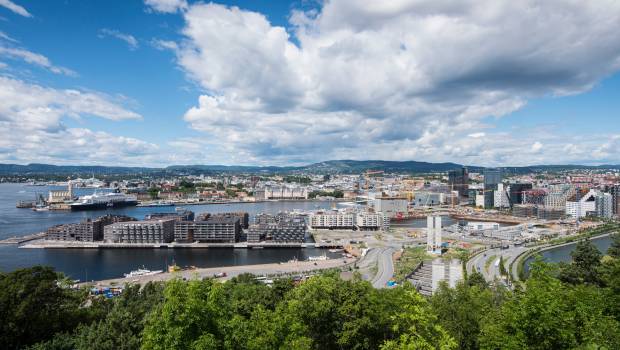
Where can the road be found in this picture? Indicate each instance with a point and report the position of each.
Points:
(478, 262)
(385, 267)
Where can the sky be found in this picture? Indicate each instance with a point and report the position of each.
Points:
(163, 82)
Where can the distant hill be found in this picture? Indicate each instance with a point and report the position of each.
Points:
(327, 167)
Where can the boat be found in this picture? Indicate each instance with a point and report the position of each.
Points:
(318, 258)
(142, 272)
(103, 201)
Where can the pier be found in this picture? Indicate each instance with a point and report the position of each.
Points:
(23, 239)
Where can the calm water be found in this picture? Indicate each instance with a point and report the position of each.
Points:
(108, 263)
(563, 253)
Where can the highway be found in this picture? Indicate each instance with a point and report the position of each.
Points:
(478, 262)
(385, 268)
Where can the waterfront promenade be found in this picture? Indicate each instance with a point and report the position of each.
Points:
(281, 269)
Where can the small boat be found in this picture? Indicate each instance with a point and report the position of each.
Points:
(318, 258)
(142, 272)
(39, 207)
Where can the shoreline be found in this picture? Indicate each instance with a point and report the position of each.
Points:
(273, 269)
(48, 244)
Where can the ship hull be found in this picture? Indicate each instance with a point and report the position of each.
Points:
(100, 206)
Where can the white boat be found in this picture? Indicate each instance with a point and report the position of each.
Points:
(318, 258)
(142, 272)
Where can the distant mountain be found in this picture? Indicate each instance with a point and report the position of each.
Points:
(359, 166)
(327, 167)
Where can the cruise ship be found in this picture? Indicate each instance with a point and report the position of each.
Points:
(103, 201)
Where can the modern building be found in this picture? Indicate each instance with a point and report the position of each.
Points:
(279, 228)
(332, 220)
(535, 196)
(557, 195)
(282, 192)
(517, 192)
(185, 215)
(604, 205)
(151, 231)
(244, 218)
(458, 180)
(213, 230)
(427, 198)
(500, 197)
(391, 207)
(525, 210)
(85, 231)
(492, 177)
(433, 234)
(581, 204)
(550, 213)
(615, 195)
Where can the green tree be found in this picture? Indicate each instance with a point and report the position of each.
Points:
(189, 318)
(614, 248)
(460, 311)
(550, 315)
(33, 307)
(584, 266)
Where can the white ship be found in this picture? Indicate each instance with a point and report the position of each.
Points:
(103, 201)
(142, 272)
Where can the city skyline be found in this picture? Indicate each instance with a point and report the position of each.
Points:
(165, 82)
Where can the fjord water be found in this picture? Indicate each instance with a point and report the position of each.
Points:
(96, 264)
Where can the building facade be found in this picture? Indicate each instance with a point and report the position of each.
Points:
(213, 230)
(604, 205)
(151, 231)
(85, 231)
(492, 177)
(458, 180)
(433, 234)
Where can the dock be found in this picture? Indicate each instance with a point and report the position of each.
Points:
(23, 239)
(39, 242)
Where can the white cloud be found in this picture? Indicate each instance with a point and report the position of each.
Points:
(127, 38)
(164, 44)
(15, 8)
(32, 128)
(35, 59)
(166, 6)
(6, 37)
(392, 80)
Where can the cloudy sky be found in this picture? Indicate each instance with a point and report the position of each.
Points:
(164, 82)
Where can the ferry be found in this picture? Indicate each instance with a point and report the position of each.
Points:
(103, 201)
(142, 272)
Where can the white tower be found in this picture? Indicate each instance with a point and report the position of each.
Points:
(433, 234)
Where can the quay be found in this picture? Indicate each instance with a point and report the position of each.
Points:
(38, 242)
(23, 239)
(281, 269)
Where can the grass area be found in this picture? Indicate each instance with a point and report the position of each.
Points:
(409, 260)
(490, 260)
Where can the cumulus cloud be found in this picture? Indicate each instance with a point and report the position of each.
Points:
(166, 6)
(404, 80)
(131, 41)
(32, 128)
(35, 59)
(15, 8)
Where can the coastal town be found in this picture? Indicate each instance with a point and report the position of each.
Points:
(390, 227)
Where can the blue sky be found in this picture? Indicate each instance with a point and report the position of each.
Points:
(164, 82)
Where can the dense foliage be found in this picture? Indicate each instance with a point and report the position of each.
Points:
(560, 307)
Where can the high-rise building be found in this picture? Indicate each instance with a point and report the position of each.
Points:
(458, 180)
(615, 195)
(604, 205)
(492, 177)
(501, 199)
(433, 234)
(517, 192)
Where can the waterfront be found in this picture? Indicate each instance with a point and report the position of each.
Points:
(562, 253)
(110, 263)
